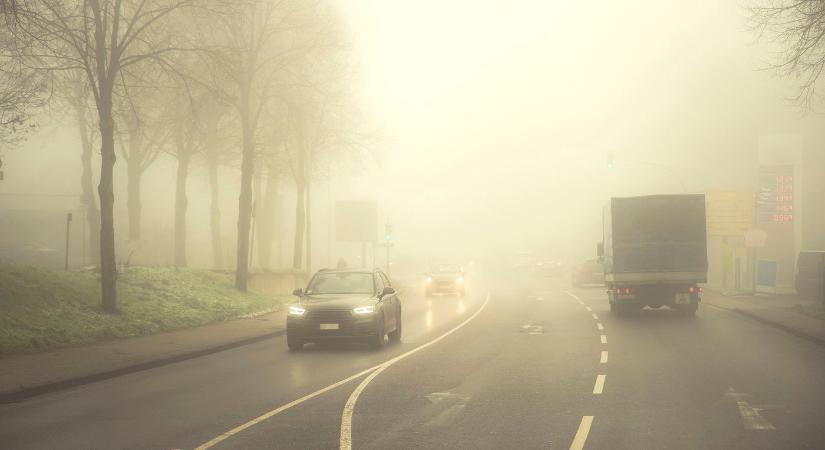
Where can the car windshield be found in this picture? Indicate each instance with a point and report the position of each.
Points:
(342, 283)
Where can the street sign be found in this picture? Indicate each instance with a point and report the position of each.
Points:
(356, 221)
(776, 194)
(728, 213)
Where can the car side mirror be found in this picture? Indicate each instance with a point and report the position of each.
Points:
(387, 291)
(298, 292)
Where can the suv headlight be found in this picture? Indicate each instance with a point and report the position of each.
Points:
(297, 311)
(364, 310)
(459, 280)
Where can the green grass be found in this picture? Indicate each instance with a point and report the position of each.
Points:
(42, 309)
(810, 309)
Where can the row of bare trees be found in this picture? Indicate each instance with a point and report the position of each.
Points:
(260, 82)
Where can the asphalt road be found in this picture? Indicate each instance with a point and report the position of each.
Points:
(506, 367)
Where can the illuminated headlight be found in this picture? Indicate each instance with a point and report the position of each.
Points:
(459, 280)
(297, 311)
(364, 310)
(429, 280)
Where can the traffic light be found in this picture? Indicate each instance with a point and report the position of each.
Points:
(387, 232)
(610, 164)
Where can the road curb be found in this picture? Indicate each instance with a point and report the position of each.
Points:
(33, 391)
(791, 330)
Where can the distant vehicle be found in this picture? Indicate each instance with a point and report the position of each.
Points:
(588, 273)
(445, 279)
(810, 268)
(346, 304)
(548, 269)
(655, 252)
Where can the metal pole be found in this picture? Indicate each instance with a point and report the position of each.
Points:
(68, 223)
(388, 258)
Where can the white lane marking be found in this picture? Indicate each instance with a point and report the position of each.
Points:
(599, 386)
(345, 442)
(603, 359)
(588, 308)
(312, 395)
(581, 434)
(751, 419)
(600, 326)
(603, 337)
(595, 316)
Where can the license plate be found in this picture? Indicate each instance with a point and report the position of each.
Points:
(329, 326)
(682, 299)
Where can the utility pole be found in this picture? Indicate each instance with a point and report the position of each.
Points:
(388, 244)
(68, 224)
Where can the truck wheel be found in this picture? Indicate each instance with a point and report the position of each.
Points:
(294, 344)
(613, 308)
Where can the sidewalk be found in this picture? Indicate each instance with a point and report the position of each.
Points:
(779, 311)
(26, 375)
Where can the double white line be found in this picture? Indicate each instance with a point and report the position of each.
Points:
(346, 417)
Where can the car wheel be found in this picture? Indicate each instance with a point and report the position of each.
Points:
(395, 335)
(377, 341)
(294, 344)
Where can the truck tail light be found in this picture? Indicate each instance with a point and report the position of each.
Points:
(618, 291)
(627, 290)
(691, 289)
(700, 289)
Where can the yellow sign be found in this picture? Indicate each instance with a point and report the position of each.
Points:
(729, 213)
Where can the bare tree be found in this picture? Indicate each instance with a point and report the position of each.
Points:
(248, 45)
(22, 91)
(100, 38)
(798, 28)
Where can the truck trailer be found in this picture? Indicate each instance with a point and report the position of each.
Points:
(654, 251)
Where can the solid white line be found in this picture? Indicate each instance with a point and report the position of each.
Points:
(600, 326)
(603, 359)
(345, 442)
(312, 395)
(603, 337)
(581, 434)
(595, 316)
(599, 387)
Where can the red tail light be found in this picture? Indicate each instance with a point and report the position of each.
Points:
(691, 289)
(700, 290)
(618, 291)
(627, 290)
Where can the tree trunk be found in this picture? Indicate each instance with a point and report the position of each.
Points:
(308, 215)
(108, 263)
(266, 223)
(215, 212)
(134, 174)
(300, 224)
(184, 156)
(87, 189)
(245, 201)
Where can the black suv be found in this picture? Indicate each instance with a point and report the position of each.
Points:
(347, 304)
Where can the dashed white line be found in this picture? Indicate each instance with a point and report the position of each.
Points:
(588, 308)
(603, 337)
(595, 316)
(581, 434)
(600, 326)
(599, 386)
(603, 359)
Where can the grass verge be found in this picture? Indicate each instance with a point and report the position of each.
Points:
(42, 309)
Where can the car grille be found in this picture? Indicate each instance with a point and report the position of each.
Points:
(330, 315)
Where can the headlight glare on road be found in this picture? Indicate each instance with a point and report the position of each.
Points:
(459, 280)
(364, 310)
(296, 311)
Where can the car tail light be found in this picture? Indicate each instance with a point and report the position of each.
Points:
(627, 290)
(618, 291)
(700, 290)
